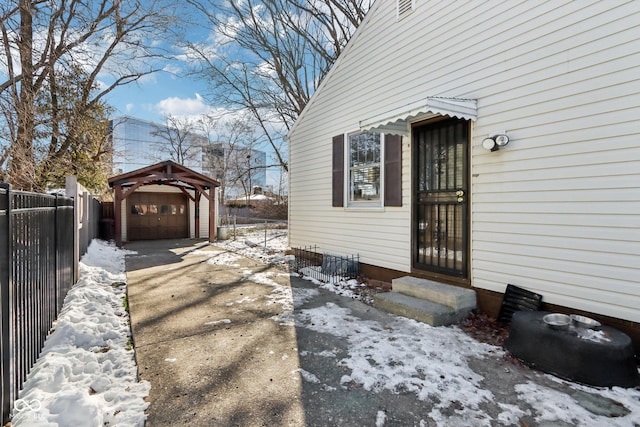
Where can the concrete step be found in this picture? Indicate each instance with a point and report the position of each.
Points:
(451, 296)
(419, 309)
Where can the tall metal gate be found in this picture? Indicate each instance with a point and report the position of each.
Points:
(37, 269)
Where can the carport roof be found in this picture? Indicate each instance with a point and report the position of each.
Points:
(167, 172)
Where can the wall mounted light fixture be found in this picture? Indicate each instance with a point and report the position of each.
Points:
(494, 142)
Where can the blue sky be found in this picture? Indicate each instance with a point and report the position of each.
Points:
(159, 95)
(169, 92)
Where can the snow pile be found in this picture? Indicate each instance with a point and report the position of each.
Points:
(308, 376)
(86, 374)
(301, 296)
(218, 322)
(552, 405)
(280, 294)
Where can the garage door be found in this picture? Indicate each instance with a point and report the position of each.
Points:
(155, 216)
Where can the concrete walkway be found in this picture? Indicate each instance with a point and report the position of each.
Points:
(209, 363)
(209, 340)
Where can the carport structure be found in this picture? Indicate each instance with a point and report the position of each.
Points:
(190, 184)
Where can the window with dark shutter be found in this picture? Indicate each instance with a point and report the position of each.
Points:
(392, 170)
(337, 177)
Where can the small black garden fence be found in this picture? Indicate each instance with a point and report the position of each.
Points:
(37, 269)
(311, 262)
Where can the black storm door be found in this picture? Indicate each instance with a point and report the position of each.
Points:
(440, 223)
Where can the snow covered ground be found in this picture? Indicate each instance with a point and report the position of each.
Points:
(86, 375)
(408, 356)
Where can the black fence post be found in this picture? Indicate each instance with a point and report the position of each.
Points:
(56, 255)
(65, 249)
(5, 297)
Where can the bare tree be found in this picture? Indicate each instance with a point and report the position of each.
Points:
(230, 142)
(178, 139)
(271, 55)
(104, 43)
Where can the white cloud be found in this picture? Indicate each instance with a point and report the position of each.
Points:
(266, 69)
(173, 70)
(226, 31)
(129, 107)
(175, 106)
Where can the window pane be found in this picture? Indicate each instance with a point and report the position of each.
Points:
(364, 148)
(365, 183)
(364, 167)
(138, 209)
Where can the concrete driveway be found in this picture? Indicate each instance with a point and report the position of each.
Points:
(215, 337)
(210, 363)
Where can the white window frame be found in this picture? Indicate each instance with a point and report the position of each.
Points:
(362, 204)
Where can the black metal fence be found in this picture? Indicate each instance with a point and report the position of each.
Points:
(311, 262)
(90, 227)
(37, 269)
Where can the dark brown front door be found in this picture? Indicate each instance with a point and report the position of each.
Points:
(440, 225)
(155, 216)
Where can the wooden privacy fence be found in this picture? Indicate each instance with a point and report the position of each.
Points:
(41, 241)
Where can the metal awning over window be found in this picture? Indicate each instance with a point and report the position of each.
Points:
(397, 121)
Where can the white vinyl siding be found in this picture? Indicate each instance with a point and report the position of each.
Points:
(204, 218)
(557, 210)
(405, 7)
(372, 234)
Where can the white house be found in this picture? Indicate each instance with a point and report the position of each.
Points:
(387, 159)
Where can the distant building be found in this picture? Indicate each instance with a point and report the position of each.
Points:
(213, 165)
(136, 144)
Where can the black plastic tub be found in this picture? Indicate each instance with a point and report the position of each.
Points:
(600, 357)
